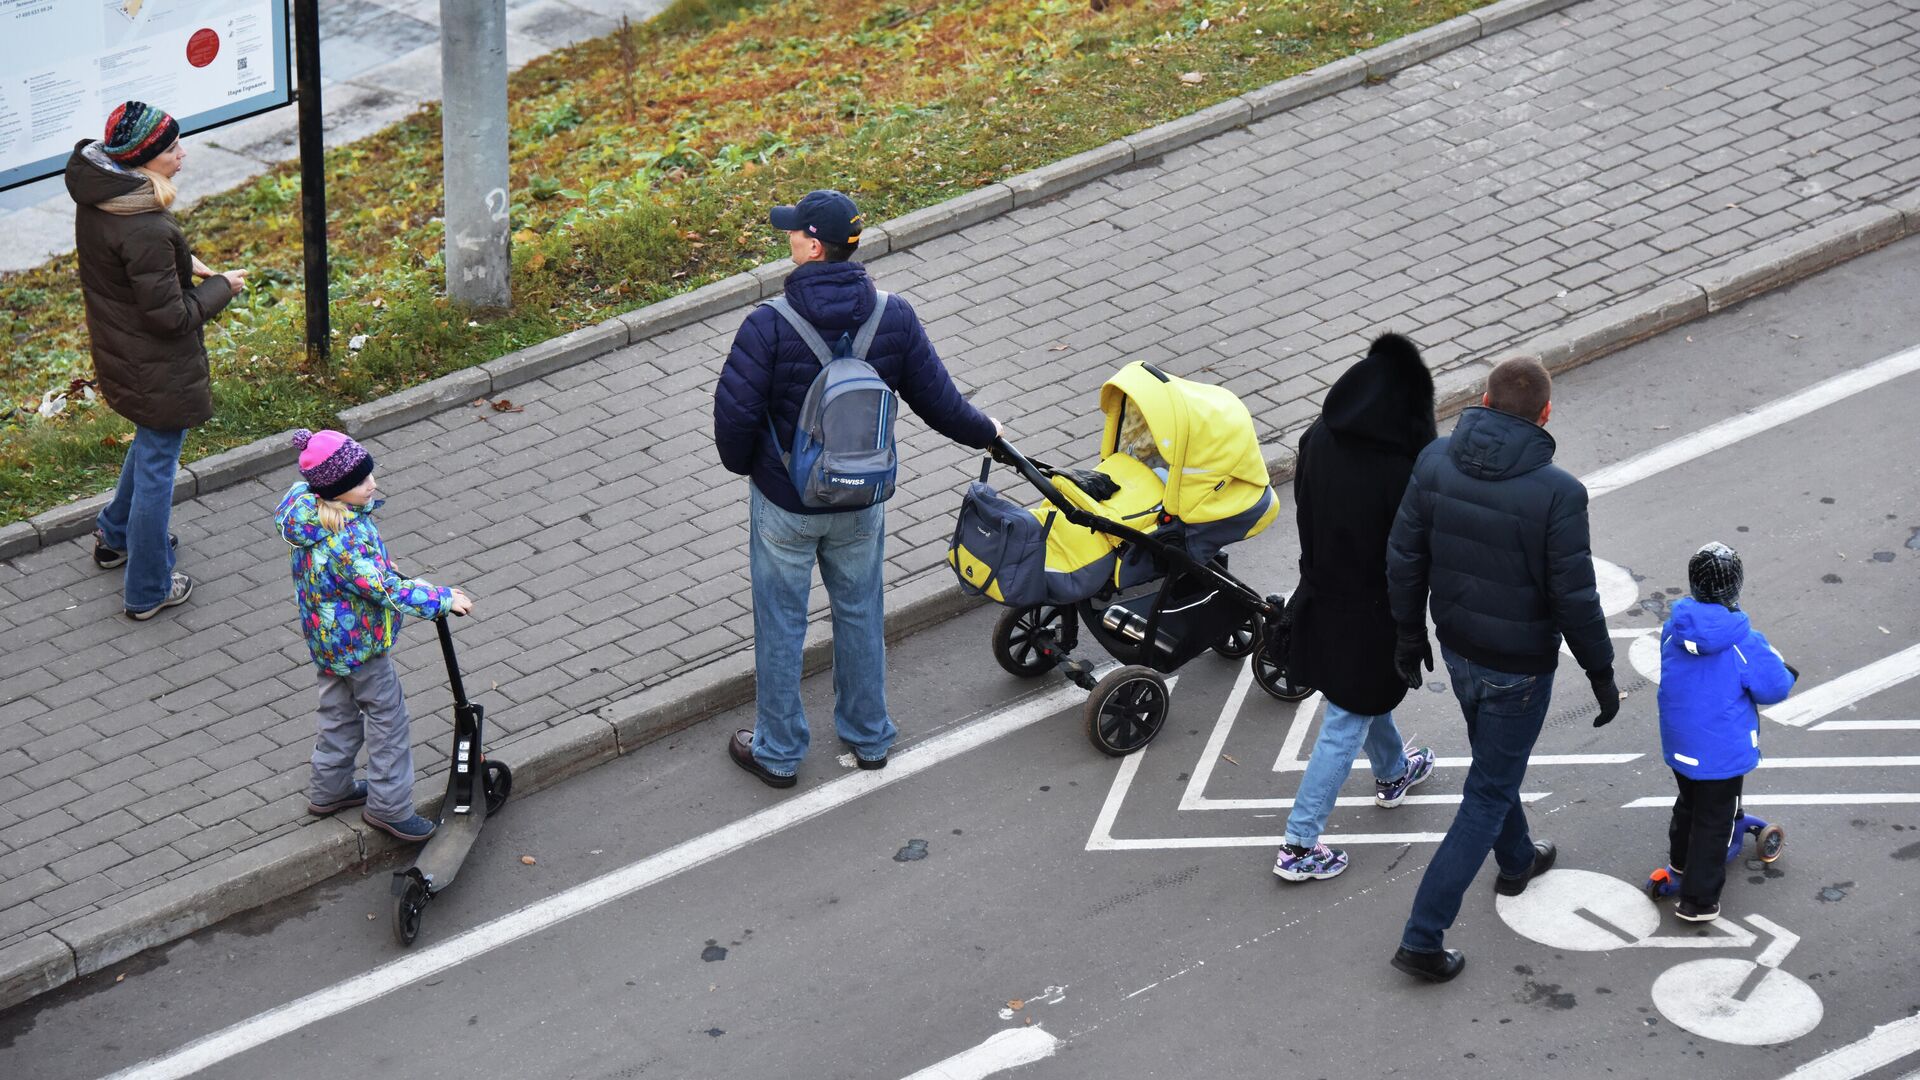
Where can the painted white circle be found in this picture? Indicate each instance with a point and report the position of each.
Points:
(1618, 590)
(1554, 911)
(1699, 997)
(1644, 654)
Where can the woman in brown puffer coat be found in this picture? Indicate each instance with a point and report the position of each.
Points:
(144, 317)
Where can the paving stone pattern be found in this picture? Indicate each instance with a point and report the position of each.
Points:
(1541, 173)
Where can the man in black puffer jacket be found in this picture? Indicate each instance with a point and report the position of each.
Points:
(755, 407)
(1498, 534)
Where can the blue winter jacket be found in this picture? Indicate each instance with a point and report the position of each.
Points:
(1714, 669)
(769, 369)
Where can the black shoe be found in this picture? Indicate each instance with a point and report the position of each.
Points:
(1436, 967)
(1543, 855)
(740, 749)
(1693, 912)
(106, 558)
(870, 763)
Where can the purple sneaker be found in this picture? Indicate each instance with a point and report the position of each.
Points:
(1389, 793)
(1318, 862)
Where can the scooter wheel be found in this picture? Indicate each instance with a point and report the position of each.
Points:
(1771, 842)
(499, 783)
(1126, 710)
(406, 912)
(1026, 641)
(1657, 884)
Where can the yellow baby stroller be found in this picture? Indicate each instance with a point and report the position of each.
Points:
(1133, 550)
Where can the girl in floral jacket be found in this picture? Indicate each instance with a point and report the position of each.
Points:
(351, 603)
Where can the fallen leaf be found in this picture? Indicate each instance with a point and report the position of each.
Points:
(1017, 1004)
(477, 402)
(371, 916)
(1193, 78)
(1230, 757)
(1029, 1021)
(526, 860)
(1060, 348)
(506, 405)
(122, 977)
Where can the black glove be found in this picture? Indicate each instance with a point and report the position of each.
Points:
(1409, 652)
(1793, 671)
(1096, 484)
(1607, 694)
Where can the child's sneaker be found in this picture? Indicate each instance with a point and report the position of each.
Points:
(413, 830)
(1318, 862)
(1693, 912)
(1389, 793)
(357, 798)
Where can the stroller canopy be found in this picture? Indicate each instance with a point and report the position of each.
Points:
(1215, 470)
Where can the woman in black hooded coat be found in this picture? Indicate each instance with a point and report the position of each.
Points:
(1353, 467)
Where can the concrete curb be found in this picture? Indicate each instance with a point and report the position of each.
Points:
(316, 851)
(485, 379)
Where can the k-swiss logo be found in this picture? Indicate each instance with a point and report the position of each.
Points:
(850, 481)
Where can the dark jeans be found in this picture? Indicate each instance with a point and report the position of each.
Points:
(1504, 713)
(1703, 817)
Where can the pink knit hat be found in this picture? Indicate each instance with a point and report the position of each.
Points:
(332, 463)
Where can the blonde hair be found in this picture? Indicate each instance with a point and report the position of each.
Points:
(333, 513)
(1136, 437)
(164, 190)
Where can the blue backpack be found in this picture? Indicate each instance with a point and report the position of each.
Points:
(843, 456)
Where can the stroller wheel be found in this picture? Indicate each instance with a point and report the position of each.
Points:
(1241, 641)
(1771, 842)
(1274, 679)
(1126, 710)
(1027, 641)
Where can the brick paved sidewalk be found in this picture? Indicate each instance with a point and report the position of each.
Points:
(1541, 173)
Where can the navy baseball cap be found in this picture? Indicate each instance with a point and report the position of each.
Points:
(823, 215)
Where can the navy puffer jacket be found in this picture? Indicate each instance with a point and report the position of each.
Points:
(1498, 533)
(769, 369)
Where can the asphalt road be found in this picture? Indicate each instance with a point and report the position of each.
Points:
(889, 925)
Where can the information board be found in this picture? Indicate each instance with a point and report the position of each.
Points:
(65, 65)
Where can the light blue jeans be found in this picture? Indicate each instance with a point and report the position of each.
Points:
(136, 520)
(850, 548)
(1341, 733)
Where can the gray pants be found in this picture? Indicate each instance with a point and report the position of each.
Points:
(365, 706)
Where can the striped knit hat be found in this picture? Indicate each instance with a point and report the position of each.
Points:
(331, 462)
(137, 133)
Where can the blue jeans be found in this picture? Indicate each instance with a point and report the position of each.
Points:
(1504, 713)
(850, 549)
(1341, 733)
(136, 520)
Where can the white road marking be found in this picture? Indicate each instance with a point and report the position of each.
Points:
(1703, 997)
(1354, 800)
(1855, 685)
(1217, 740)
(1586, 911)
(1887, 1044)
(1882, 762)
(1752, 422)
(1866, 725)
(1003, 1050)
(1838, 799)
(1460, 763)
(222, 1045)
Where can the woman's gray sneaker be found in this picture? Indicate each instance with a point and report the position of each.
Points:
(182, 588)
(1389, 793)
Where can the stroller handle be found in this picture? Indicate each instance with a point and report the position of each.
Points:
(1036, 474)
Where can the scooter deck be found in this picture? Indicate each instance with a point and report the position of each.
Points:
(440, 859)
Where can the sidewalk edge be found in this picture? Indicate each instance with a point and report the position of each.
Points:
(591, 342)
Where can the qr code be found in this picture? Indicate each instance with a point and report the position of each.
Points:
(243, 63)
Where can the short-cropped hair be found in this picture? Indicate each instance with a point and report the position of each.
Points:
(1520, 387)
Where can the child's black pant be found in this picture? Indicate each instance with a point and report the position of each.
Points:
(1703, 817)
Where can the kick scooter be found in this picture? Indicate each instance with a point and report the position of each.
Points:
(476, 789)
(1769, 841)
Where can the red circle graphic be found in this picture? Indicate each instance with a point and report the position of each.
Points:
(202, 47)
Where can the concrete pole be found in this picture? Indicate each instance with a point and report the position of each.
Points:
(473, 127)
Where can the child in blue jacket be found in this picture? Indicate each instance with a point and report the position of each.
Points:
(1715, 670)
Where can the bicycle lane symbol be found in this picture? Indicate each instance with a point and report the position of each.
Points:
(1727, 999)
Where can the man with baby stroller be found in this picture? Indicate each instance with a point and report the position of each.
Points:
(762, 390)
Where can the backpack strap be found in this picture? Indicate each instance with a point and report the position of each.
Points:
(804, 328)
(863, 340)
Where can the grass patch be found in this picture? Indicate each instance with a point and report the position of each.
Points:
(642, 166)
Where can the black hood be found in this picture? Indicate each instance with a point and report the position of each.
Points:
(93, 178)
(1492, 445)
(1386, 398)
